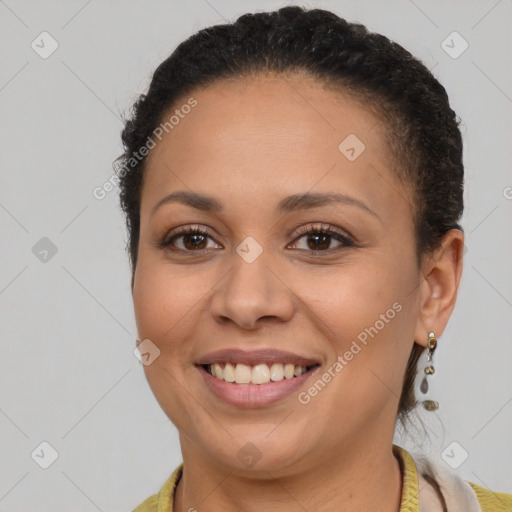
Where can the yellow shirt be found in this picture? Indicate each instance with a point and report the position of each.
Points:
(489, 501)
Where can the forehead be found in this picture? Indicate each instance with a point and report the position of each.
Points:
(277, 112)
(270, 136)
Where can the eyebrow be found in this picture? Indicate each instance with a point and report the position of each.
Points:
(287, 205)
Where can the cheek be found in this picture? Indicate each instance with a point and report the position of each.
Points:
(165, 299)
(365, 312)
(363, 315)
(350, 298)
(163, 302)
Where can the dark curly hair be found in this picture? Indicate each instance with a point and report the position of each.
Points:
(422, 130)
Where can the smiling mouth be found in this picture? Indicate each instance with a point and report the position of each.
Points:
(238, 373)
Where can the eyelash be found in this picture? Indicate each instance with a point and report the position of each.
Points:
(323, 229)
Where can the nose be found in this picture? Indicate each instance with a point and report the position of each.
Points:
(252, 294)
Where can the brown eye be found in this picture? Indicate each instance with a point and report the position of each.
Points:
(189, 239)
(194, 241)
(319, 239)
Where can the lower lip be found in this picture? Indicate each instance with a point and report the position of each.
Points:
(254, 395)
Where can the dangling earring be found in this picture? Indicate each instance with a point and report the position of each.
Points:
(430, 405)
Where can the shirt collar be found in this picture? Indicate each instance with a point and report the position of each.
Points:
(410, 501)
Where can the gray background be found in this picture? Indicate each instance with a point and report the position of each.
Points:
(68, 374)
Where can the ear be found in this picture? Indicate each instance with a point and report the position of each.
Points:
(439, 286)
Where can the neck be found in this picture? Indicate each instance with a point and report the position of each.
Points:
(357, 479)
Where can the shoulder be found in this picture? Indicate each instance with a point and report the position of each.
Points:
(423, 475)
(148, 505)
(163, 500)
(491, 501)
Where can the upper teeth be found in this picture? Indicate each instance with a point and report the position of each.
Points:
(258, 374)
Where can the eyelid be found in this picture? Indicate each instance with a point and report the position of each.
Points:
(343, 237)
(188, 229)
(322, 227)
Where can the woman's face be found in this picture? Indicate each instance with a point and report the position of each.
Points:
(267, 154)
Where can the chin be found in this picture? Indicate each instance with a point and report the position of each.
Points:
(254, 450)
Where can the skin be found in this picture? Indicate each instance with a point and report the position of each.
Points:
(250, 143)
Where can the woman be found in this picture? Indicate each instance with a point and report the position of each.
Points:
(293, 186)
